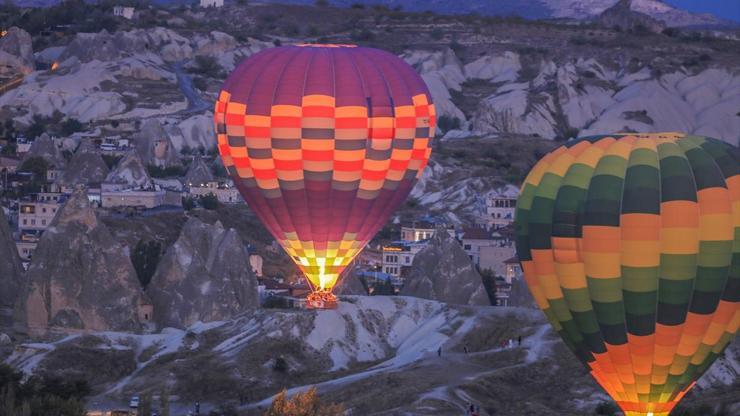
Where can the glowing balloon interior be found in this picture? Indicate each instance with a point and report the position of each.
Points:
(324, 142)
(630, 244)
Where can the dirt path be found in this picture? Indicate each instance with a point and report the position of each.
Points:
(445, 374)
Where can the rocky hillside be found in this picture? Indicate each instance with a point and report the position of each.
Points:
(79, 278)
(86, 167)
(376, 355)
(16, 53)
(443, 271)
(538, 9)
(11, 274)
(130, 171)
(205, 276)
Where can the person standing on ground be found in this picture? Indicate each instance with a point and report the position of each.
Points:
(520, 340)
(439, 351)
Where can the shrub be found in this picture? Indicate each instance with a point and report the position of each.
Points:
(447, 123)
(145, 259)
(302, 404)
(280, 365)
(209, 202)
(606, 408)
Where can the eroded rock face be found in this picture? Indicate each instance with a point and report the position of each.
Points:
(350, 284)
(86, 167)
(16, 53)
(105, 46)
(80, 278)
(11, 274)
(45, 148)
(154, 145)
(623, 16)
(198, 173)
(205, 276)
(442, 271)
(130, 172)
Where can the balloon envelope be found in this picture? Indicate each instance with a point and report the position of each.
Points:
(630, 244)
(324, 142)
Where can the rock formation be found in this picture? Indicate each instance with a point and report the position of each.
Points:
(351, 284)
(11, 273)
(45, 148)
(442, 271)
(85, 168)
(80, 278)
(129, 173)
(204, 276)
(622, 15)
(16, 53)
(198, 173)
(154, 145)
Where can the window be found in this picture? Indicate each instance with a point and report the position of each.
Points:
(33, 222)
(43, 222)
(466, 246)
(43, 210)
(25, 221)
(408, 259)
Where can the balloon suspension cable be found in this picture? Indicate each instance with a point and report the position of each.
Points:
(321, 299)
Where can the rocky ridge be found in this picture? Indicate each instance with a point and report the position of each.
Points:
(79, 278)
(11, 274)
(442, 271)
(205, 276)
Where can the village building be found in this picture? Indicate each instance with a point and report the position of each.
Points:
(211, 3)
(129, 185)
(9, 164)
(256, 261)
(399, 256)
(124, 11)
(22, 145)
(36, 212)
(200, 181)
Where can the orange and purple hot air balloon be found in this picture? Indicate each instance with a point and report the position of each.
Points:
(324, 142)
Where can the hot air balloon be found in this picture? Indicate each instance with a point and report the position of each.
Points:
(324, 142)
(630, 245)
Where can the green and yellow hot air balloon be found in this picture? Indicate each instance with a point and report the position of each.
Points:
(630, 244)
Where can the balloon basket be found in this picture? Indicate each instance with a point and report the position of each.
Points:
(321, 300)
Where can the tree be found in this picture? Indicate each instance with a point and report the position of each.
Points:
(209, 202)
(145, 407)
(145, 258)
(384, 288)
(71, 126)
(40, 395)
(447, 123)
(188, 203)
(280, 365)
(489, 283)
(37, 127)
(164, 403)
(302, 404)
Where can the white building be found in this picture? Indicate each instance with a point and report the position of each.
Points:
(494, 258)
(137, 198)
(255, 260)
(417, 231)
(211, 3)
(124, 11)
(25, 249)
(400, 255)
(36, 214)
(225, 192)
(500, 207)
